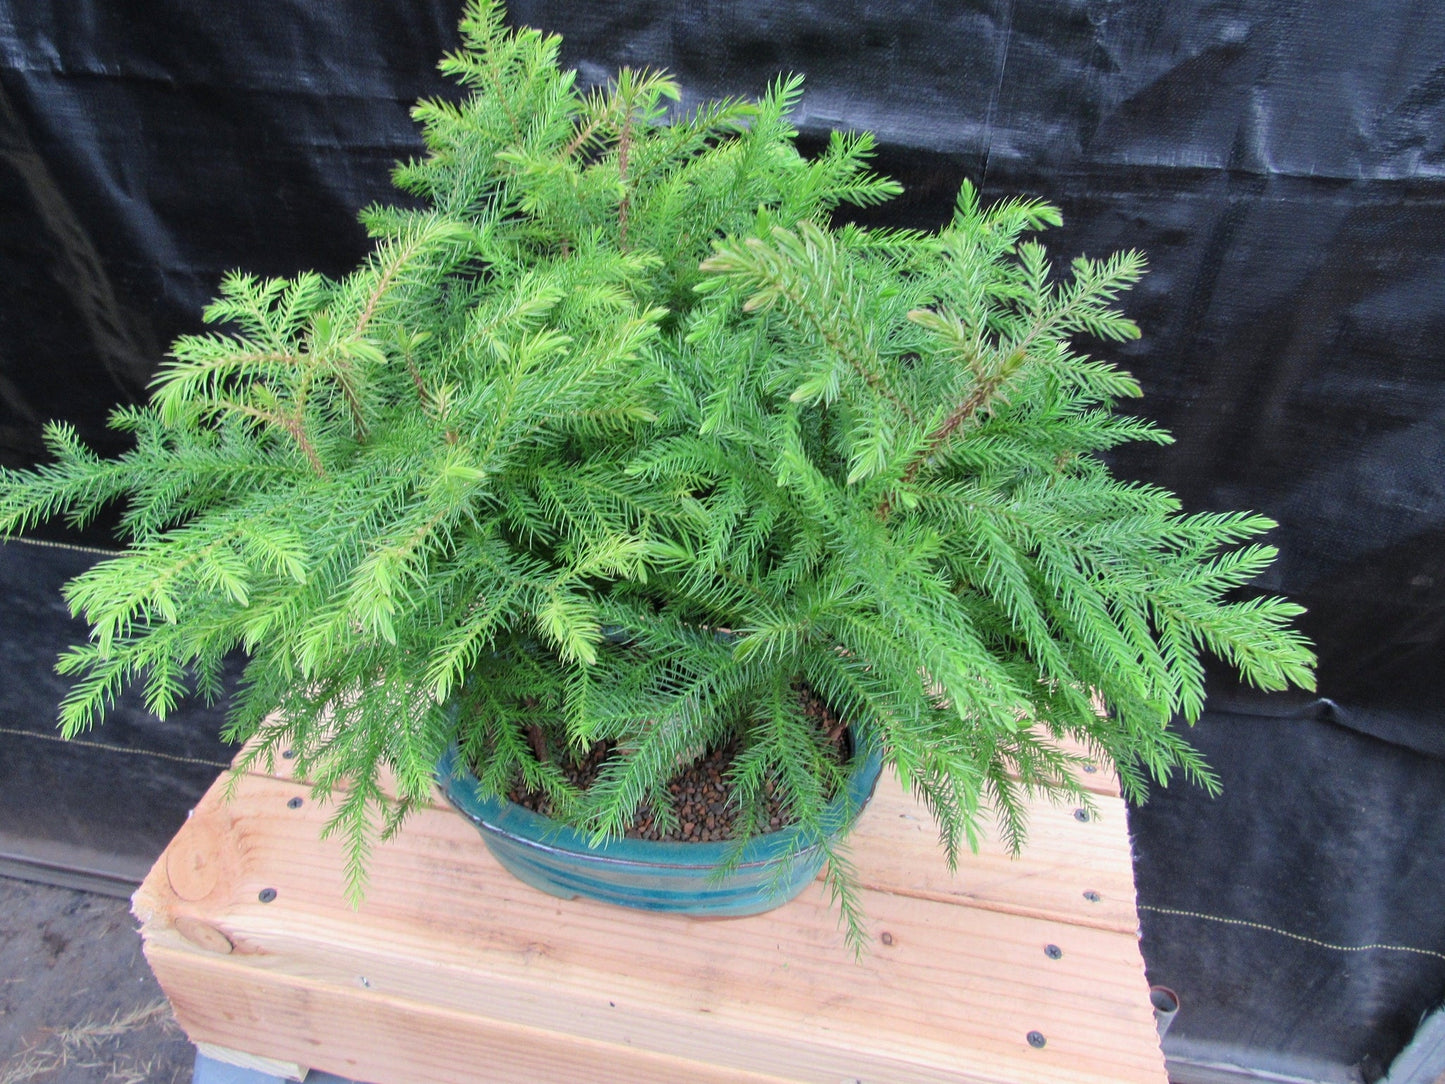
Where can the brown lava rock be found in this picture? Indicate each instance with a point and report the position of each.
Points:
(701, 794)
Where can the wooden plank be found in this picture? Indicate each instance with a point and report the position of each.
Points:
(950, 991)
(286, 1070)
(386, 1041)
(390, 1041)
(895, 847)
(1096, 776)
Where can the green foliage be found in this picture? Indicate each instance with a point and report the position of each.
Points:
(620, 385)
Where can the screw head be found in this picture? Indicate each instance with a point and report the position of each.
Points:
(1036, 1039)
(266, 895)
(1092, 896)
(1091, 768)
(294, 803)
(1081, 815)
(287, 754)
(886, 937)
(1053, 952)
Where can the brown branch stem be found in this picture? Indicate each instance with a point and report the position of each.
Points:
(297, 429)
(980, 397)
(353, 404)
(293, 426)
(835, 342)
(423, 396)
(584, 133)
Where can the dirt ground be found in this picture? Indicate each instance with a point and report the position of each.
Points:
(78, 1005)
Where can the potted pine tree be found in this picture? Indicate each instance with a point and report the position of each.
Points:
(617, 453)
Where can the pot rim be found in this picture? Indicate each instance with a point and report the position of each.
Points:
(534, 830)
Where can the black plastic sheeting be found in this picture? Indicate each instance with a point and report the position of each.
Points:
(1281, 162)
(1340, 844)
(146, 148)
(93, 813)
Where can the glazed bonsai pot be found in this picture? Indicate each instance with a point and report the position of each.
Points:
(657, 875)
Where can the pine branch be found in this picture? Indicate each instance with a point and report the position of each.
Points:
(615, 387)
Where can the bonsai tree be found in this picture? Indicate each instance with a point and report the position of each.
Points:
(616, 440)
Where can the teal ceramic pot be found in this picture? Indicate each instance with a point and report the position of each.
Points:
(659, 876)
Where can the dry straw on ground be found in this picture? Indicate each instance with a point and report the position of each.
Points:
(90, 1047)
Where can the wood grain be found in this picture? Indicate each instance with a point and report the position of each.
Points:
(451, 965)
(286, 1070)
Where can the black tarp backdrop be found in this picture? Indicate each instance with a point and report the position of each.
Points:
(1281, 162)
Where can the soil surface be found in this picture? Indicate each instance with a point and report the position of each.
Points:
(78, 1005)
(701, 793)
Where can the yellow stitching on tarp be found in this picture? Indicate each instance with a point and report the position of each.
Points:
(1287, 933)
(112, 748)
(64, 546)
(80, 741)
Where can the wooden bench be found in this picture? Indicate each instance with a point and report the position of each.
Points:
(452, 971)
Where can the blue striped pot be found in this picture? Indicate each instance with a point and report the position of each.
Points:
(653, 875)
